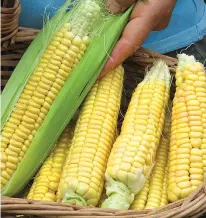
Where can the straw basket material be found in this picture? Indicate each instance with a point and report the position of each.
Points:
(11, 53)
(193, 206)
(9, 19)
(14, 39)
(14, 42)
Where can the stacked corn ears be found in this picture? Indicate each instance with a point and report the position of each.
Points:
(82, 170)
(48, 86)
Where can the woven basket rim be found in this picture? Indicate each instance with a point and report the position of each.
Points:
(11, 10)
(10, 20)
(193, 205)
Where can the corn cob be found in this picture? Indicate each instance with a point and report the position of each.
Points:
(103, 195)
(134, 151)
(47, 180)
(39, 87)
(187, 156)
(164, 198)
(140, 200)
(153, 194)
(82, 179)
(64, 52)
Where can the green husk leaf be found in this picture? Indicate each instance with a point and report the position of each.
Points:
(69, 98)
(119, 195)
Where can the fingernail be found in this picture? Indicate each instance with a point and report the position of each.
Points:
(107, 67)
(114, 7)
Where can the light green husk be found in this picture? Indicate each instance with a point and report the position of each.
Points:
(69, 98)
(72, 198)
(119, 195)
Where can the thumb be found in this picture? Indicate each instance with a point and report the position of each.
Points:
(118, 6)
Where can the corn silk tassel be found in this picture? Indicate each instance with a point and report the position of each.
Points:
(154, 192)
(82, 179)
(187, 156)
(133, 154)
(49, 84)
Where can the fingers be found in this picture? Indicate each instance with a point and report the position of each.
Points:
(133, 36)
(118, 6)
(146, 16)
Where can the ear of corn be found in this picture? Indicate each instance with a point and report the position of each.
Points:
(140, 200)
(187, 156)
(154, 192)
(82, 179)
(133, 153)
(164, 198)
(54, 83)
(47, 180)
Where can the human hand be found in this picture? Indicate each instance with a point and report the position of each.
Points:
(146, 16)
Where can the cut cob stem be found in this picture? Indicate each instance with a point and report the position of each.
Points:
(82, 179)
(46, 181)
(187, 156)
(133, 153)
(65, 51)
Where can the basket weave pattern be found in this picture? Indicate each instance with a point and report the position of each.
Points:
(12, 53)
(14, 39)
(192, 206)
(9, 19)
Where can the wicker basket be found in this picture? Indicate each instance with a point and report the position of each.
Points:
(9, 19)
(14, 39)
(193, 206)
(14, 43)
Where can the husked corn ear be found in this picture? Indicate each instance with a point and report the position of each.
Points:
(65, 51)
(164, 198)
(46, 182)
(187, 156)
(134, 151)
(140, 200)
(153, 194)
(83, 175)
